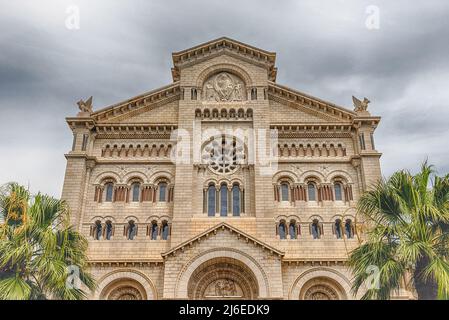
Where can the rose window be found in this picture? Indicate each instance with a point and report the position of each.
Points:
(223, 155)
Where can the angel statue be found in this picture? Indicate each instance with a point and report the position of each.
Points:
(85, 107)
(360, 105)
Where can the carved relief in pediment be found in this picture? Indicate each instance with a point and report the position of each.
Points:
(224, 87)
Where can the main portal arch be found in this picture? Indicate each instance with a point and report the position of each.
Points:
(222, 278)
(222, 273)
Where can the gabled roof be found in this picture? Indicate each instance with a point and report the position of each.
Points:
(152, 97)
(223, 226)
(219, 45)
(313, 103)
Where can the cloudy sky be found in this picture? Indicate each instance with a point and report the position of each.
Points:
(122, 49)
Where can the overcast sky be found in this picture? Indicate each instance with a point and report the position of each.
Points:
(122, 49)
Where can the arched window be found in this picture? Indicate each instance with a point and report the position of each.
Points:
(284, 191)
(338, 229)
(162, 192)
(349, 231)
(254, 94)
(338, 193)
(211, 193)
(165, 230)
(154, 230)
(136, 192)
(193, 94)
(282, 230)
(97, 230)
(236, 200)
(109, 192)
(108, 230)
(311, 191)
(223, 200)
(316, 229)
(292, 230)
(132, 230)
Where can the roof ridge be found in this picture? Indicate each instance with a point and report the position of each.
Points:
(224, 38)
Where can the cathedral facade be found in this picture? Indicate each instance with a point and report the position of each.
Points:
(221, 185)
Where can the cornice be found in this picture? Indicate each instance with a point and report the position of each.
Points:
(80, 122)
(126, 262)
(314, 104)
(314, 262)
(372, 121)
(313, 130)
(152, 98)
(217, 46)
(134, 131)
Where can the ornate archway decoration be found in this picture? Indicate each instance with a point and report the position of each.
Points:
(222, 278)
(321, 283)
(125, 284)
(259, 276)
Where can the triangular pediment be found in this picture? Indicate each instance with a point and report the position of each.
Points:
(284, 101)
(138, 109)
(220, 46)
(221, 227)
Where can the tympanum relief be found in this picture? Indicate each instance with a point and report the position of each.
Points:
(224, 87)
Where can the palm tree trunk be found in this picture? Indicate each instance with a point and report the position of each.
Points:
(426, 289)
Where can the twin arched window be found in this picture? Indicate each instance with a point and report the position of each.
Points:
(163, 231)
(99, 232)
(347, 228)
(292, 231)
(130, 230)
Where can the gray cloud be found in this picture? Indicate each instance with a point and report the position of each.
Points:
(124, 49)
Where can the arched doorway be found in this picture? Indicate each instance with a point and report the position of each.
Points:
(322, 289)
(222, 278)
(124, 289)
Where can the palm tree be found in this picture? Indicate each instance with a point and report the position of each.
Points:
(408, 236)
(39, 251)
